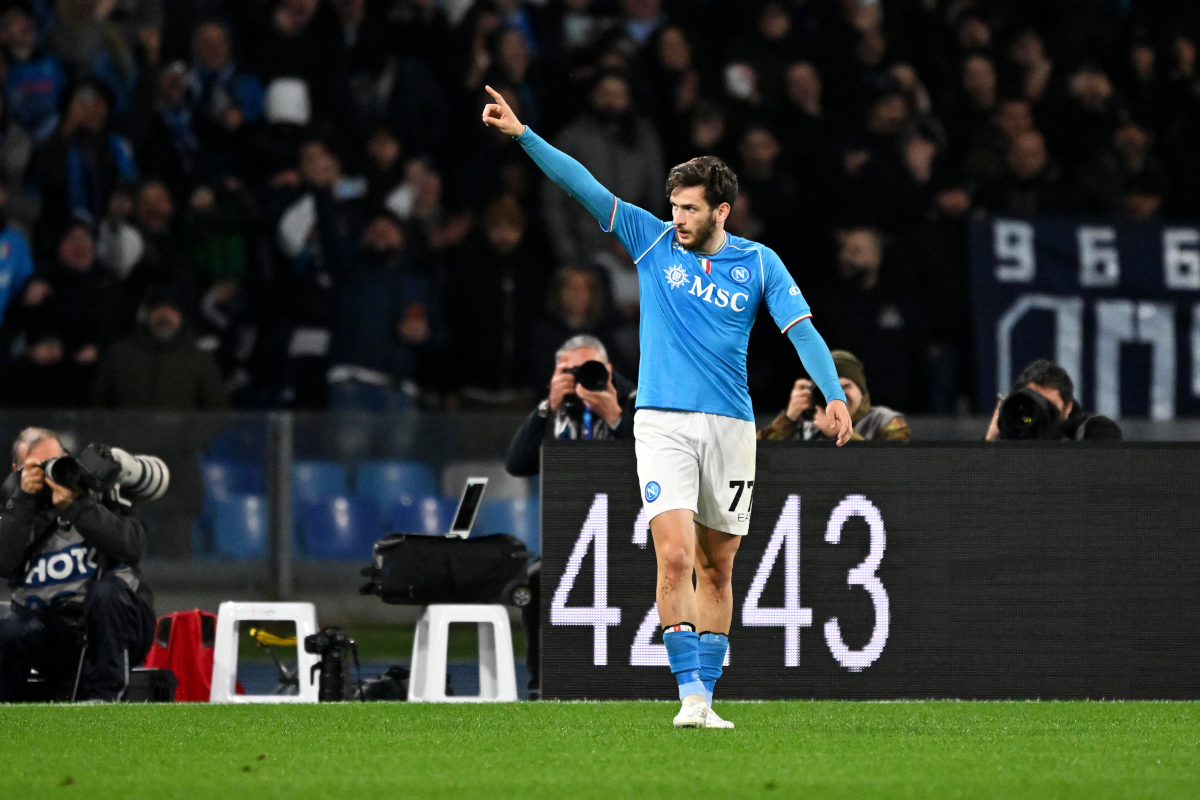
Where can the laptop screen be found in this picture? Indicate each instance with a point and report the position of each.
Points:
(468, 506)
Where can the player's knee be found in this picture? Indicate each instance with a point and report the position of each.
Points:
(720, 575)
(675, 563)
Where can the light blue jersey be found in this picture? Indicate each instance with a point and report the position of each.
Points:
(696, 309)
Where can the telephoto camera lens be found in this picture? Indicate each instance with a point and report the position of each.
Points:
(65, 471)
(1025, 414)
(591, 375)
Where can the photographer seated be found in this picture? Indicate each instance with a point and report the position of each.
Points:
(587, 401)
(1042, 405)
(805, 418)
(70, 549)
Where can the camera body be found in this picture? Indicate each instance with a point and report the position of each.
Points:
(331, 645)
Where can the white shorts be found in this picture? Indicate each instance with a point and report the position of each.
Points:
(701, 462)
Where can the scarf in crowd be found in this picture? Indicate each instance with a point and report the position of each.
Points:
(84, 193)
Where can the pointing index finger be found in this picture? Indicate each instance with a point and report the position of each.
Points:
(496, 96)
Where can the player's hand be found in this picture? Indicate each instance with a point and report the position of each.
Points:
(561, 385)
(603, 402)
(840, 415)
(500, 115)
(801, 399)
(33, 477)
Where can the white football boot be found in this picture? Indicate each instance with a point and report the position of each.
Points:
(711, 720)
(693, 713)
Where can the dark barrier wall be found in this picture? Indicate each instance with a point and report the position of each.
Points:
(919, 571)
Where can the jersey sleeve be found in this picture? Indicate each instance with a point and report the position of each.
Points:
(780, 292)
(637, 229)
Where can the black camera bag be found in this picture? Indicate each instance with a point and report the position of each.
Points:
(419, 570)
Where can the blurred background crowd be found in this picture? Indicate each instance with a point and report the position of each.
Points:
(293, 203)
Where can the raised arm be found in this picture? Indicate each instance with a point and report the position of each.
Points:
(571, 176)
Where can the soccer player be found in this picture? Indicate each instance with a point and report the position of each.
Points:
(694, 430)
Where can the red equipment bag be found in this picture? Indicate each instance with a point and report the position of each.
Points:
(183, 643)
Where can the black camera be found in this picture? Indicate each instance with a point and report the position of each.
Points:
(94, 469)
(1026, 415)
(331, 645)
(818, 400)
(591, 375)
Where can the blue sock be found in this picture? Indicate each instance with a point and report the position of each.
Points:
(683, 653)
(712, 660)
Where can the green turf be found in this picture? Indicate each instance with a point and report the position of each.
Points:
(603, 750)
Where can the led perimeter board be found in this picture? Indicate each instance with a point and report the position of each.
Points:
(974, 571)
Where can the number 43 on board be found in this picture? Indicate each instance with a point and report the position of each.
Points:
(791, 616)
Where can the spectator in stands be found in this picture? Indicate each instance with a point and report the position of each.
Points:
(160, 366)
(1128, 162)
(75, 302)
(985, 159)
(83, 162)
(760, 179)
(164, 130)
(1054, 383)
(502, 279)
(674, 88)
(34, 78)
(89, 41)
(805, 417)
(576, 306)
(621, 149)
(222, 97)
(870, 310)
(1084, 125)
(641, 19)
(388, 327)
(19, 203)
(1032, 183)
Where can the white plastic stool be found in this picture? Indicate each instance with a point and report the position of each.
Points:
(225, 650)
(497, 672)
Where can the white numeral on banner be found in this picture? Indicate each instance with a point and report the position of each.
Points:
(791, 617)
(599, 616)
(863, 575)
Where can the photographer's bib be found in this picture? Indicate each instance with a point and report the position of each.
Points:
(60, 573)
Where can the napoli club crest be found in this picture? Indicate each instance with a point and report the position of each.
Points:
(652, 491)
(739, 274)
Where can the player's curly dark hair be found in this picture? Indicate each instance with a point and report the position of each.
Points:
(719, 182)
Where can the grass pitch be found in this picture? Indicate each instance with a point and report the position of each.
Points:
(602, 750)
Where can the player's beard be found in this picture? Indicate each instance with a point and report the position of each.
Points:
(701, 235)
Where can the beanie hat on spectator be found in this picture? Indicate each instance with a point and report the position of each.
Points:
(287, 102)
(848, 366)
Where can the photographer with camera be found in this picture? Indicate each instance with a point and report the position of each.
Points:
(805, 418)
(1042, 405)
(588, 400)
(70, 547)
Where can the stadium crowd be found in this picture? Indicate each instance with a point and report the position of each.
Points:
(293, 203)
